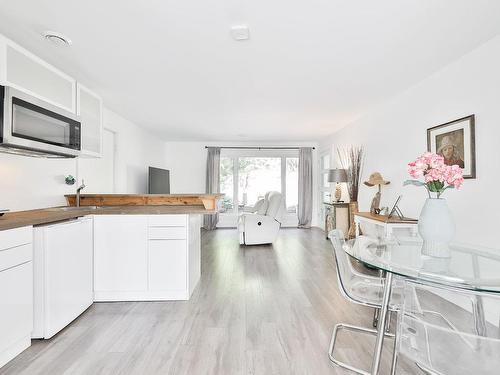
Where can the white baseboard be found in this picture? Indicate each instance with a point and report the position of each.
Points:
(14, 349)
(115, 296)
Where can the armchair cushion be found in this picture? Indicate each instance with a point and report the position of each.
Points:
(261, 207)
(276, 205)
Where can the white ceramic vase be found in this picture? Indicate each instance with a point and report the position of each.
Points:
(436, 227)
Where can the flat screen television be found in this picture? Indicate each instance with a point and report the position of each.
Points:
(158, 181)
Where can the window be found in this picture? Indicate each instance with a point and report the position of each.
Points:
(292, 184)
(247, 175)
(226, 183)
(256, 177)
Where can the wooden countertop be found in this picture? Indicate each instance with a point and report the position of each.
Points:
(209, 201)
(385, 218)
(51, 215)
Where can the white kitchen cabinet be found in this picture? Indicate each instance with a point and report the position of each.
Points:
(120, 257)
(16, 292)
(26, 72)
(63, 261)
(146, 258)
(89, 108)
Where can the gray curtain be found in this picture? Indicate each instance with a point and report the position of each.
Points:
(212, 183)
(304, 211)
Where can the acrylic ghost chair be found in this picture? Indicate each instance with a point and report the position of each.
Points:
(448, 341)
(356, 287)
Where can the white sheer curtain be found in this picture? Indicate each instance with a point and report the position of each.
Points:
(212, 183)
(304, 212)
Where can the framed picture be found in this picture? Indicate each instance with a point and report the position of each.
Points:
(455, 141)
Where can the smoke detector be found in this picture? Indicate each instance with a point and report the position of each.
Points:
(57, 38)
(240, 32)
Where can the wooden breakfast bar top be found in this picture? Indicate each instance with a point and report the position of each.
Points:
(209, 201)
(43, 216)
(115, 204)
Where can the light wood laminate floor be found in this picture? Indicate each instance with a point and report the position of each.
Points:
(257, 310)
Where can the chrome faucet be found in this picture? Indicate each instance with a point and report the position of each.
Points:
(78, 190)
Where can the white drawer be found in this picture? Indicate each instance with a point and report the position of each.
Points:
(167, 220)
(15, 237)
(15, 256)
(167, 233)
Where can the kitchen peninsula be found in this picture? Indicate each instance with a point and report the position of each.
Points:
(55, 262)
(145, 247)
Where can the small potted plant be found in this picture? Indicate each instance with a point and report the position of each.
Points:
(435, 223)
(69, 180)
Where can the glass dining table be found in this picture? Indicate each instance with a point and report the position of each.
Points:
(468, 267)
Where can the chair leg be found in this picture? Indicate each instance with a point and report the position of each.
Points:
(388, 321)
(394, 358)
(375, 317)
(353, 328)
(394, 363)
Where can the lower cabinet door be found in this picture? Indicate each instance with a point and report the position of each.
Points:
(167, 265)
(120, 254)
(16, 308)
(68, 273)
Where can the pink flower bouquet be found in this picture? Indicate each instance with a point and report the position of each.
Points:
(436, 174)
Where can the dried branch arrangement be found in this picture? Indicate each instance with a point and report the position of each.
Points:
(351, 159)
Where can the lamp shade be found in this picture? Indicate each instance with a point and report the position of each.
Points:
(337, 175)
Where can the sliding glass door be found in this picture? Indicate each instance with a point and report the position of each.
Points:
(256, 176)
(247, 175)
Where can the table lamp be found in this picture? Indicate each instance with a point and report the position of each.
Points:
(338, 176)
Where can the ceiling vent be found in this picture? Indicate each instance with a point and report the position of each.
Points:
(57, 38)
(240, 32)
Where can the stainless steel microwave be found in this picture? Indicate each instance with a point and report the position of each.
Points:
(33, 127)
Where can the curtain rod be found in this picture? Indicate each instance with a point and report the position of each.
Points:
(259, 148)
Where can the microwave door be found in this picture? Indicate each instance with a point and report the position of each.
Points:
(36, 126)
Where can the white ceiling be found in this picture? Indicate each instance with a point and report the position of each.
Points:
(309, 68)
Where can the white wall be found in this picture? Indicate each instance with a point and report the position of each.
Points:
(135, 150)
(27, 183)
(395, 133)
(99, 173)
(187, 164)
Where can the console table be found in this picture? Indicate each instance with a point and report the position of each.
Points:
(385, 223)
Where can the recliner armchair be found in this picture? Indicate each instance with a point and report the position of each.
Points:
(262, 225)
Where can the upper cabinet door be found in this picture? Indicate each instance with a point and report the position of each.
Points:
(26, 72)
(89, 108)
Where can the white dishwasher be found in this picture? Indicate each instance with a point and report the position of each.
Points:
(62, 266)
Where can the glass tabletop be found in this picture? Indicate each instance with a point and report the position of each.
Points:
(467, 267)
